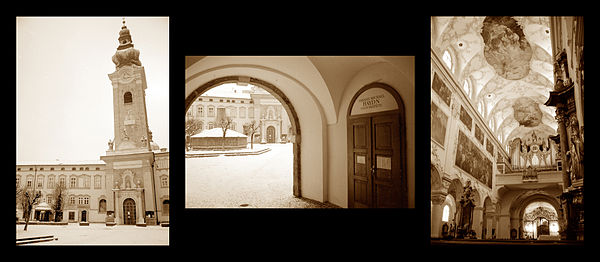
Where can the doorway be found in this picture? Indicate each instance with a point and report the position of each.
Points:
(376, 149)
(83, 216)
(270, 134)
(129, 212)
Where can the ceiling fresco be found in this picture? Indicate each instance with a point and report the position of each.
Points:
(508, 64)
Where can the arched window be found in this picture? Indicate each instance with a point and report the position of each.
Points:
(165, 207)
(445, 213)
(102, 206)
(467, 89)
(447, 58)
(127, 98)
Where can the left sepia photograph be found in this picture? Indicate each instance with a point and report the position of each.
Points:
(92, 132)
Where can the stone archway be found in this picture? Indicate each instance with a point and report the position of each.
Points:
(281, 97)
(519, 205)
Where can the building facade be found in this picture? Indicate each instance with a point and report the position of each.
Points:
(130, 185)
(243, 106)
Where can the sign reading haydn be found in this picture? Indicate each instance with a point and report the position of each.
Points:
(373, 100)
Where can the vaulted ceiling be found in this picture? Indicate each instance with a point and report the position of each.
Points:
(506, 63)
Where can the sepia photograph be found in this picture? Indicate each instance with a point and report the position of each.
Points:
(92, 133)
(299, 132)
(510, 171)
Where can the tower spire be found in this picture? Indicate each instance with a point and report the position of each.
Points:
(126, 54)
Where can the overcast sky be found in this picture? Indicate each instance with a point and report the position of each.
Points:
(64, 96)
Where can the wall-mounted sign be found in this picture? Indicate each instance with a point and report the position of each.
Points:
(373, 100)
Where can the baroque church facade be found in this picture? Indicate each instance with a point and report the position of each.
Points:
(130, 183)
(507, 128)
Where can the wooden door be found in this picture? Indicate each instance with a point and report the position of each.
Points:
(270, 134)
(129, 212)
(386, 159)
(376, 178)
(83, 216)
(360, 180)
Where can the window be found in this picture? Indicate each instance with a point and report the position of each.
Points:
(40, 182)
(232, 112)
(445, 213)
(448, 60)
(242, 112)
(164, 181)
(201, 111)
(72, 200)
(62, 181)
(18, 180)
(211, 125)
(211, 111)
(102, 206)
(71, 215)
(29, 182)
(86, 182)
(49, 199)
(467, 89)
(97, 168)
(97, 182)
(251, 112)
(51, 182)
(73, 182)
(127, 98)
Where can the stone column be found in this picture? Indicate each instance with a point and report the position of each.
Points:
(561, 118)
(437, 200)
(478, 221)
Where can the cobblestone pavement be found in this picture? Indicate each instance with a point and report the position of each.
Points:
(260, 181)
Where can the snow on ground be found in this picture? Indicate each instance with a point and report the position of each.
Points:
(264, 181)
(97, 234)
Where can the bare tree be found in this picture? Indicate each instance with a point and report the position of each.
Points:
(225, 124)
(59, 194)
(28, 198)
(251, 129)
(192, 127)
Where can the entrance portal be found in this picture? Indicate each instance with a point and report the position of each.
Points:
(376, 149)
(129, 212)
(83, 216)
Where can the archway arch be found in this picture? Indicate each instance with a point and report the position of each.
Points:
(281, 97)
(519, 205)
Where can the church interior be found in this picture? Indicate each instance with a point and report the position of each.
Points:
(507, 129)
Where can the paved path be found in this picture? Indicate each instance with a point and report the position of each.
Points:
(263, 181)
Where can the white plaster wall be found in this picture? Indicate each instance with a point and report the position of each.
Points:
(296, 78)
(337, 133)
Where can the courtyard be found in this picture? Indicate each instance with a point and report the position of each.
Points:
(96, 234)
(260, 181)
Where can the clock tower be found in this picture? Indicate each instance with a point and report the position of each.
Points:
(129, 158)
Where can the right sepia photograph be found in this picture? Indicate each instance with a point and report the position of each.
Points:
(507, 130)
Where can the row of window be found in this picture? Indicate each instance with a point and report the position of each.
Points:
(62, 168)
(225, 100)
(231, 112)
(74, 182)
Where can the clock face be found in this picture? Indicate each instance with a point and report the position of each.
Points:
(127, 74)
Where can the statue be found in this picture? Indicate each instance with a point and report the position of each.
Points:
(125, 137)
(110, 144)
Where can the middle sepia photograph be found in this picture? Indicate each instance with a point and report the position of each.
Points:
(300, 132)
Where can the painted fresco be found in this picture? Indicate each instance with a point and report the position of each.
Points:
(440, 88)
(490, 147)
(465, 117)
(439, 120)
(479, 134)
(470, 159)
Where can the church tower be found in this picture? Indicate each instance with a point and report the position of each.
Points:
(129, 158)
